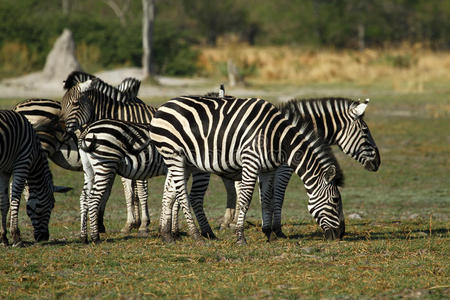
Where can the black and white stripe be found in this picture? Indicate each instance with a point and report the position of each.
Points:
(44, 115)
(92, 100)
(23, 159)
(338, 121)
(238, 139)
(110, 147)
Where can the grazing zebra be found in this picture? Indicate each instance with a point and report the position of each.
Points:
(339, 121)
(91, 100)
(110, 147)
(238, 139)
(23, 159)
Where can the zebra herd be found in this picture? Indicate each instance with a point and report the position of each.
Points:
(105, 130)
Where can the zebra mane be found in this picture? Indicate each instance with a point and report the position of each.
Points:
(293, 108)
(75, 78)
(126, 91)
(130, 87)
(314, 140)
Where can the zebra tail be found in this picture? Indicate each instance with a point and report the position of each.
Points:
(91, 147)
(61, 189)
(136, 151)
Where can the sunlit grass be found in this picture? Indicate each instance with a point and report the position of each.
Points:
(397, 248)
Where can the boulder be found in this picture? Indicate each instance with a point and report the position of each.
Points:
(62, 59)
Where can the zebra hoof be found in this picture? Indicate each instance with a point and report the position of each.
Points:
(167, 238)
(267, 231)
(279, 233)
(209, 235)
(241, 241)
(83, 239)
(101, 228)
(5, 241)
(96, 240)
(176, 235)
(330, 235)
(18, 244)
(143, 232)
(126, 229)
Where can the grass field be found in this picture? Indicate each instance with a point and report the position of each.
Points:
(397, 249)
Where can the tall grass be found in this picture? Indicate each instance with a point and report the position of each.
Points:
(406, 68)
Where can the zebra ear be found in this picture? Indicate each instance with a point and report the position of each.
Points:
(330, 173)
(359, 109)
(84, 86)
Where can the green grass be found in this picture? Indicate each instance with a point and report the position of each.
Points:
(399, 248)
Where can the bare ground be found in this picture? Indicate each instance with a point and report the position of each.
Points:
(35, 85)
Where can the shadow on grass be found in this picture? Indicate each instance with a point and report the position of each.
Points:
(77, 241)
(395, 235)
(389, 235)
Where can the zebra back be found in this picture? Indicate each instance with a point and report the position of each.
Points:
(123, 146)
(230, 136)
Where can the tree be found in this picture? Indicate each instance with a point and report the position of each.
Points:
(120, 11)
(148, 17)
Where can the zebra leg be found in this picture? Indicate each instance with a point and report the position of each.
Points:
(341, 220)
(231, 203)
(142, 192)
(135, 202)
(200, 182)
(16, 193)
(282, 176)
(168, 200)
(237, 187)
(266, 194)
(247, 186)
(101, 213)
(100, 193)
(4, 206)
(128, 191)
(175, 221)
(178, 174)
(87, 188)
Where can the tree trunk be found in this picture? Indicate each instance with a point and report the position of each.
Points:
(148, 17)
(65, 7)
(361, 37)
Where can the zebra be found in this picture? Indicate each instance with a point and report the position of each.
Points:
(44, 115)
(238, 139)
(339, 121)
(93, 99)
(110, 147)
(23, 159)
(88, 102)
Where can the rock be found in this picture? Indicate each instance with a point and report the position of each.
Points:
(62, 59)
(354, 216)
(413, 216)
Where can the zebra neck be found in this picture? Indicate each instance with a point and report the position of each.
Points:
(305, 152)
(133, 112)
(326, 116)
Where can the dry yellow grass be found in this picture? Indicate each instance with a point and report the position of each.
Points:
(407, 68)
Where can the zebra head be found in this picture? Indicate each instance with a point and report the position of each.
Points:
(357, 141)
(41, 201)
(76, 107)
(319, 170)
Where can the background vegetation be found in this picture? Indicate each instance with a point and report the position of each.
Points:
(393, 51)
(29, 28)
